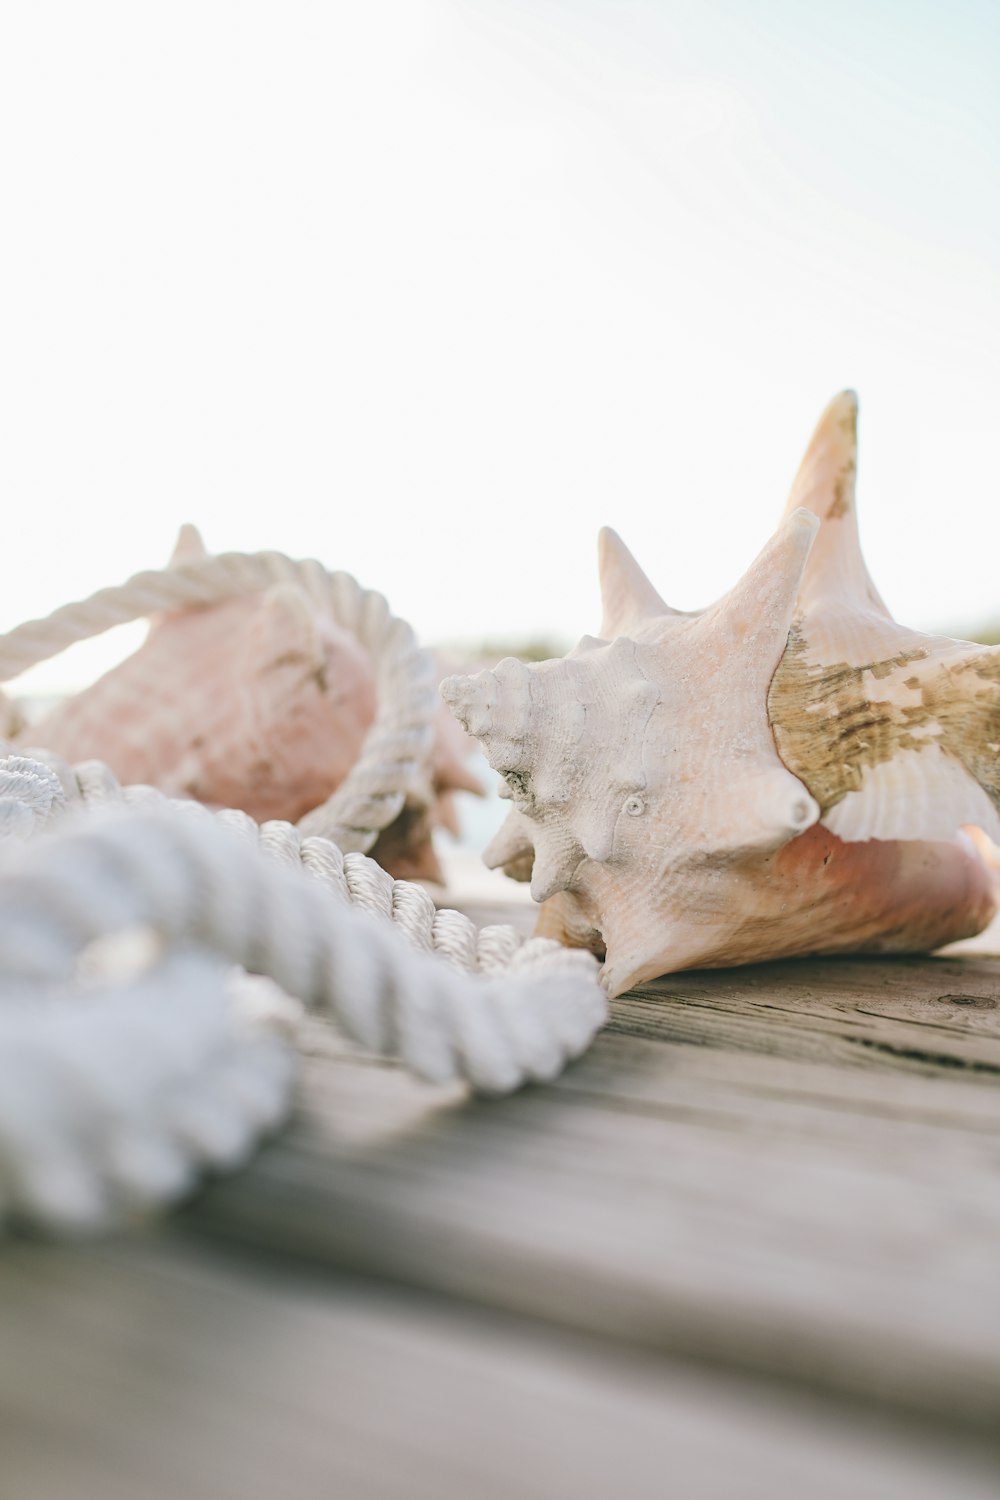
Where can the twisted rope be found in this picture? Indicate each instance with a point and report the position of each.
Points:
(125, 1069)
(353, 878)
(397, 747)
(118, 1105)
(115, 1096)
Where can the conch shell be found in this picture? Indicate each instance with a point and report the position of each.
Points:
(784, 773)
(259, 703)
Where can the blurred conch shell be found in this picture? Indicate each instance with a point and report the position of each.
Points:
(787, 772)
(260, 703)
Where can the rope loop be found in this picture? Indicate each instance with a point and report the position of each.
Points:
(394, 759)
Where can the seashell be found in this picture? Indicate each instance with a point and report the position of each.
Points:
(784, 773)
(259, 703)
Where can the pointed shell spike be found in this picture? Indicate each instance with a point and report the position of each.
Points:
(557, 859)
(826, 477)
(471, 700)
(825, 484)
(188, 547)
(776, 807)
(512, 845)
(628, 597)
(758, 612)
(496, 707)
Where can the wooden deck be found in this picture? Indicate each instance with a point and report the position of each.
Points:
(748, 1246)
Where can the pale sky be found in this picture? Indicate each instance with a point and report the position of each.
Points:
(432, 289)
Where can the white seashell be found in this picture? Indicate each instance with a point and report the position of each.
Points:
(783, 773)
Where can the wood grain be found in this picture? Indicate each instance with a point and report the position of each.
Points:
(751, 1242)
(152, 1372)
(928, 1015)
(762, 1193)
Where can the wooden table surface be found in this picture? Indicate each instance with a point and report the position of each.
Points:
(748, 1246)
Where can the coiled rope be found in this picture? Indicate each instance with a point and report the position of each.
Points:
(125, 1069)
(41, 785)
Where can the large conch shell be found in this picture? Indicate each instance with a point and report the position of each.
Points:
(786, 772)
(260, 703)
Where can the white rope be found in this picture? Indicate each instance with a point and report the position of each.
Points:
(119, 1103)
(353, 878)
(395, 755)
(125, 1068)
(29, 793)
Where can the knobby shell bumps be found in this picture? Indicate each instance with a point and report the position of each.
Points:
(787, 772)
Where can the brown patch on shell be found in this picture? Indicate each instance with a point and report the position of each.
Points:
(863, 731)
(843, 494)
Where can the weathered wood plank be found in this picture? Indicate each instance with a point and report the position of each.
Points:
(834, 1226)
(148, 1372)
(929, 1015)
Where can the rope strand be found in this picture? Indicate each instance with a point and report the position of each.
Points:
(81, 1145)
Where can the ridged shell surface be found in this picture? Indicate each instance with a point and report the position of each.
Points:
(786, 772)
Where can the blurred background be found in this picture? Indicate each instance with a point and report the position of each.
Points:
(431, 289)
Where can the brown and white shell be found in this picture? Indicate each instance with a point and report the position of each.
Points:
(784, 773)
(259, 703)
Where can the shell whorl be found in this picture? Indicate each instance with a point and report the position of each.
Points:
(543, 727)
(495, 707)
